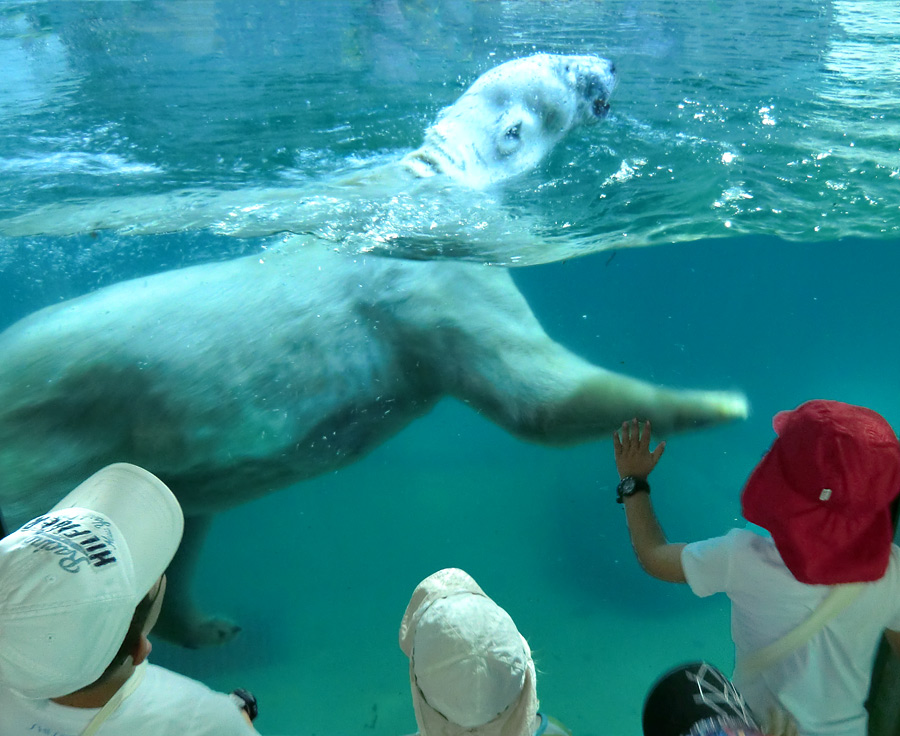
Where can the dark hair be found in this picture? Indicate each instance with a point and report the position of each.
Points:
(132, 637)
(688, 696)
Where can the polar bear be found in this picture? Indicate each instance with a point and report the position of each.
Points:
(234, 379)
(231, 380)
(502, 126)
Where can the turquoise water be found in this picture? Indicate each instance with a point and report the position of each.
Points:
(120, 99)
(729, 119)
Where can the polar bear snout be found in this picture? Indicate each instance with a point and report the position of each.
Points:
(595, 79)
(601, 108)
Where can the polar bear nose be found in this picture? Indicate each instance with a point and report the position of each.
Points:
(601, 108)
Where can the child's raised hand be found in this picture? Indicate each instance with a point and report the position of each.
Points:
(632, 450)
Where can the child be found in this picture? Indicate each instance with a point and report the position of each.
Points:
(82, 588)
(824, 491)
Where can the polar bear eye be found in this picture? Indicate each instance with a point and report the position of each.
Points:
(511, 130)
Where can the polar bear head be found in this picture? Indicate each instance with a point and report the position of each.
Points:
(513, 116)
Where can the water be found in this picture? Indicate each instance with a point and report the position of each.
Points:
(793, 300)
(779, 115)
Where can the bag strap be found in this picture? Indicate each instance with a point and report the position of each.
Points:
(838, 598)
(128, 687)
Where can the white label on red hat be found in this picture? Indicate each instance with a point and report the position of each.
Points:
(825, 494)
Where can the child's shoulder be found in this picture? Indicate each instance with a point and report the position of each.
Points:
(754, 542)
(751, 537)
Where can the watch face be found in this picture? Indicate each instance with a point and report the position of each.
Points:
(627, 486)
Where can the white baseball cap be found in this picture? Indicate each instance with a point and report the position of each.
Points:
(72, 578)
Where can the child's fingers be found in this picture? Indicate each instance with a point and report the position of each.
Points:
(645, 436)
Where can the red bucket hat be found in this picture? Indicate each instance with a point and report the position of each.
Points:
(824, 489)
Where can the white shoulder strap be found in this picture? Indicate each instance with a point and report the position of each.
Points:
(836, 601)
(128, 687)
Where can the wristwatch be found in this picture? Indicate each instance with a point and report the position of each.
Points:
(629, 485)
(245, 701)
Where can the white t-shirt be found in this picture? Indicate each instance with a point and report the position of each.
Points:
(824, 683)
(165, 704)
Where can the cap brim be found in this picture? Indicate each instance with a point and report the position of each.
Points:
(143, 508)
(441, 584)
(780, 420)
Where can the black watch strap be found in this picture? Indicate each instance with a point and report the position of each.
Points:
(246, 701)
(629, 485)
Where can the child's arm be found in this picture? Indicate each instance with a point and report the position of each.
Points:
(633, 459)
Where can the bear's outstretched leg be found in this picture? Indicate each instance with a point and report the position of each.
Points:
(593, 406)
(181, 621)
(600, 403)
(504, 365)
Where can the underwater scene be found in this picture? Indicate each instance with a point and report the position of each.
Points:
(315, 234)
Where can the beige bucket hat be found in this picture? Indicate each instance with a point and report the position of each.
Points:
(470, 670)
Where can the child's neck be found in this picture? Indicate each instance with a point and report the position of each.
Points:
(99, 695)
